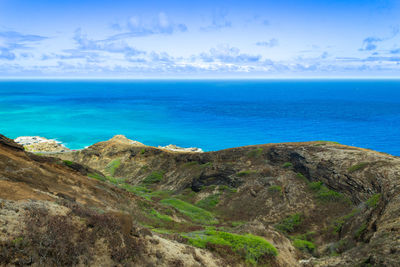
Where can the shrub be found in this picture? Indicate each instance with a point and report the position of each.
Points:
(113, 166)
(196, 214)
(304, 245)
(290, 223)
(250, 247)
(373, 201)
(142, 151)
(358, 167)
(154, 177)
(287, 165)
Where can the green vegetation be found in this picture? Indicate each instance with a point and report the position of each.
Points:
(68, 162)
(255, 153)
(358, 167)
(302, 177)
(209, 202)
(206, 165)
(97, 176)
(287, 165)
(338, 223)
(360, 230)
(237, 223)
(113, 166)
(304, 245)
(142, 151)
(191, 164)
(325, 194)
(373, 201)
(154, 177)
(275, 189)
(250, 247)
(226, 188)
(245, 173)
(290, 223)
(196, 214)
(160, 216)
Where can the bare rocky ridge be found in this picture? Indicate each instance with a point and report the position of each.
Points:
(317, 203)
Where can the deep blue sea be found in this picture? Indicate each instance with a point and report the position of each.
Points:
(210, 114)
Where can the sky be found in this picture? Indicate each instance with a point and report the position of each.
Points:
(197, 39)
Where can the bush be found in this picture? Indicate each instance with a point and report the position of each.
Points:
(196, 214)
(154, 177)
(250, 247)
(290, 223)
(304, 245)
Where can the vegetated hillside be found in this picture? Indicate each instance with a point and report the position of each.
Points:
(295, 204)
(53, 214)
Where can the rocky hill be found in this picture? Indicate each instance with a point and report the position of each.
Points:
(120, 202)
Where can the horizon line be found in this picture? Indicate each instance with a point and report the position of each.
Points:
(202, 78)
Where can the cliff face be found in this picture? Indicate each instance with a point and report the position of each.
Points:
(294, 204)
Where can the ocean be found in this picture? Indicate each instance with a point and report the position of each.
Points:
(210, 114)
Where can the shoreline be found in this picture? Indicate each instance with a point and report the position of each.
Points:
(39, 144)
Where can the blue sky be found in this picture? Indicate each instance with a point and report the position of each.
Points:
(195, 39)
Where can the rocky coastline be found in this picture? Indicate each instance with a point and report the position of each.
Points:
(38, 144)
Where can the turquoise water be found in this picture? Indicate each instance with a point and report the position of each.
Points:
(209, 114)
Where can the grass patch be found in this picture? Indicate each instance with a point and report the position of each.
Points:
(68, 162)
(142, 151)
(255, 153)
(160, 216)
(113, 166)
(196, 214)
(287, 165)
(275, 189)
(304, 245)
(154, 177)
(373, 201)
(324, 194)
(357, 167)
(209, 202)
(250, 247)
(225, 188)
(245, 173)
(290, 223)
(97, 176)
